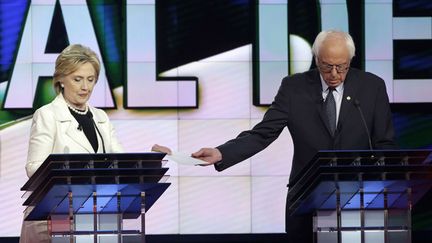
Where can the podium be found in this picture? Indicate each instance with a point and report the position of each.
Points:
(89, 197)
(362, 196)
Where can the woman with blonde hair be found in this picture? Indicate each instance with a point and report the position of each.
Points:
(68, 124)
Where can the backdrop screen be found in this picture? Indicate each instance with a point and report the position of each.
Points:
(189, 74)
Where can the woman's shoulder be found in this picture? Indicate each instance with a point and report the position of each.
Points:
(55, 109)
(44, 114)
(46, 109)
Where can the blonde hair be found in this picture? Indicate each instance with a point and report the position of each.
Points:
(70, 59)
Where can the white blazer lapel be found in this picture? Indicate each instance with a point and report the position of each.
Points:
(70, 124)
(78, 136)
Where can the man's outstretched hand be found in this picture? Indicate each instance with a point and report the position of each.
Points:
(210, 155)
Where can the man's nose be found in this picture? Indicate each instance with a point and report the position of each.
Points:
(334, 71)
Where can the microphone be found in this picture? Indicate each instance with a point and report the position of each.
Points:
(79, 127)
(357, 105)
(90, 115)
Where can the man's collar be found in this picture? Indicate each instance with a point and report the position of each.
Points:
(324, 85)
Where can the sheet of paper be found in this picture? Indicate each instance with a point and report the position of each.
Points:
(185, 159)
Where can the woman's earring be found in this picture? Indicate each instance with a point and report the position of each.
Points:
(62, 85)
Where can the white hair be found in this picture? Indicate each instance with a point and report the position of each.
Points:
(323, 35)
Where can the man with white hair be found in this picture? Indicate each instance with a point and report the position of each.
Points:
(320, 108)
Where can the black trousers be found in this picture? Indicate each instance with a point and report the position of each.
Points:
(299, 228)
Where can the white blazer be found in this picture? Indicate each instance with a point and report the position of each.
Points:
(55, 130)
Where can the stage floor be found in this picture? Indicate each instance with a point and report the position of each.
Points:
(207, 238)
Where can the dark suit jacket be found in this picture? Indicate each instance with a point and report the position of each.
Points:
(298, 106)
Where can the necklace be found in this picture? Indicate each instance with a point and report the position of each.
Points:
(79, 112)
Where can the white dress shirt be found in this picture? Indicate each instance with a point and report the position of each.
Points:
(338, 94)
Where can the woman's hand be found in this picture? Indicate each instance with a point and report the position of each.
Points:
(162, 149)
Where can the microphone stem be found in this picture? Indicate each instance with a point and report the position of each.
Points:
(365, 125)
(100, 135)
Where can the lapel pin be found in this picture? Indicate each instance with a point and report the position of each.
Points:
(348, 97)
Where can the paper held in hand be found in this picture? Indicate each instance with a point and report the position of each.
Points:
(185, 159)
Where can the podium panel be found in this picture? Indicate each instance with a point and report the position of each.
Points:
(362, 196)
(87, 197)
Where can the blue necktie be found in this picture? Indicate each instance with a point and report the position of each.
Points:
(330, 108)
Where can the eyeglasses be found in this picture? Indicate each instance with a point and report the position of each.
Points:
(327, 68)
